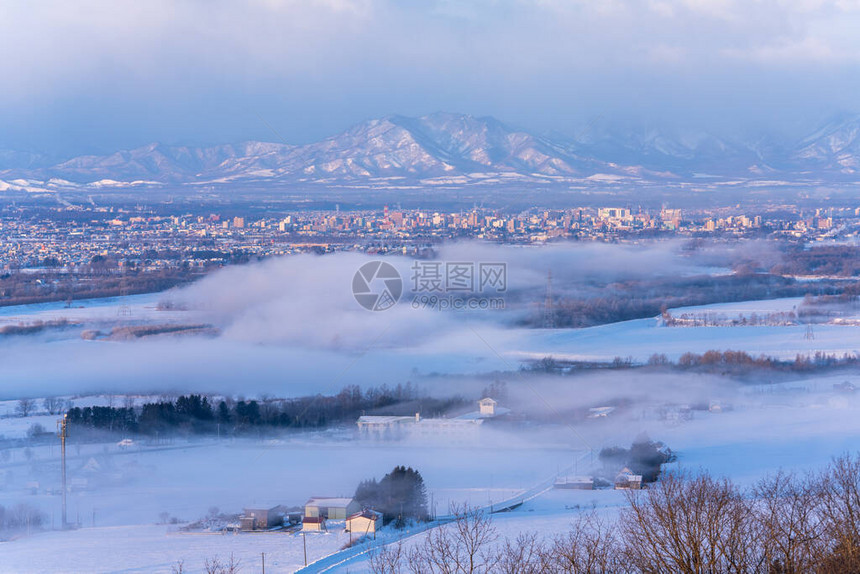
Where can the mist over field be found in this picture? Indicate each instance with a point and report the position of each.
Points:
(289, 329)
(291, 325)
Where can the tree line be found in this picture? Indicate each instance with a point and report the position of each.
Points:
(686, 524)
(44, 286)
(199, 414)
(712, 360)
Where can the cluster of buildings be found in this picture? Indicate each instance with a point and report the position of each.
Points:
(626, 479)
(320, 512)
(315, 516)
(71, 237)
(463, 428)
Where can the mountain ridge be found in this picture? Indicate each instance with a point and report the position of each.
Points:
(446, 147)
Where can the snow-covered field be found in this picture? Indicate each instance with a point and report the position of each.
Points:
(641, 338)
(160, 549)
(135, 485)
(739, 308)
(106, 310)
(119, 493)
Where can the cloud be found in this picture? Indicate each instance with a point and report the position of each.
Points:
(291, 325)
(199, 70)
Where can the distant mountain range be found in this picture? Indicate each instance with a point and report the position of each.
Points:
(452, 150)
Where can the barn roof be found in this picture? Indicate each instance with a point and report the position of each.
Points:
(369, 514)
(329, 502)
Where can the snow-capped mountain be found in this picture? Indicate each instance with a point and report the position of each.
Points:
(396, 146)
(833, 147)
(457, 149)
(683, 152)
(12, 159)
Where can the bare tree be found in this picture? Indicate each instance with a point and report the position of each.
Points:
(387, 559)
(590, 547)
(695, 525)
(53, 405)
(839, 492)
(787, 523)
(525, 555)
(461, 547)
(25, 407)
(215, 566)
(35, 430)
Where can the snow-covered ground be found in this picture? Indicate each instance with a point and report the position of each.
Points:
(107, 308)
(135, 485)
(641, 338)
(747, 308)
(798, 424)
(159, 549)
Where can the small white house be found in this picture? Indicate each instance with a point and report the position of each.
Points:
(364, 522)
(487, 407)
(626, 480)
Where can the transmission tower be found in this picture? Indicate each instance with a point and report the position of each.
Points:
(548, 310)
(810, 334)
(63, 433)
(123, 311)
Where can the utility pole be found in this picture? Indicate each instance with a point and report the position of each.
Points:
(548, 311)
(263, 556)
(305, 546)
(63, 427)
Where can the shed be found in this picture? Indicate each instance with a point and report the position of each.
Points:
(364, 522)
(261, 518)
(313, 524)
(575, 483)
(331, 508)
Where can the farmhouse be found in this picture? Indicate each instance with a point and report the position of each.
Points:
(626, 480)
(261, 518)
(458, 428)
(364, 522)
(330, 508)
(384, 427)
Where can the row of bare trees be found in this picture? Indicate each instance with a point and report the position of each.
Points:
(690, 524)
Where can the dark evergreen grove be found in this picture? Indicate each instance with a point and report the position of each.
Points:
(400, 496)
(199, 414)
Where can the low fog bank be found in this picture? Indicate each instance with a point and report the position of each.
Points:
(556, 424)
(307, 300)
(291, 326)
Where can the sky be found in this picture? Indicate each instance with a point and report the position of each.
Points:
(95, 76)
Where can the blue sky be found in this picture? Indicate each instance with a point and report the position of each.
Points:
(93, 76)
